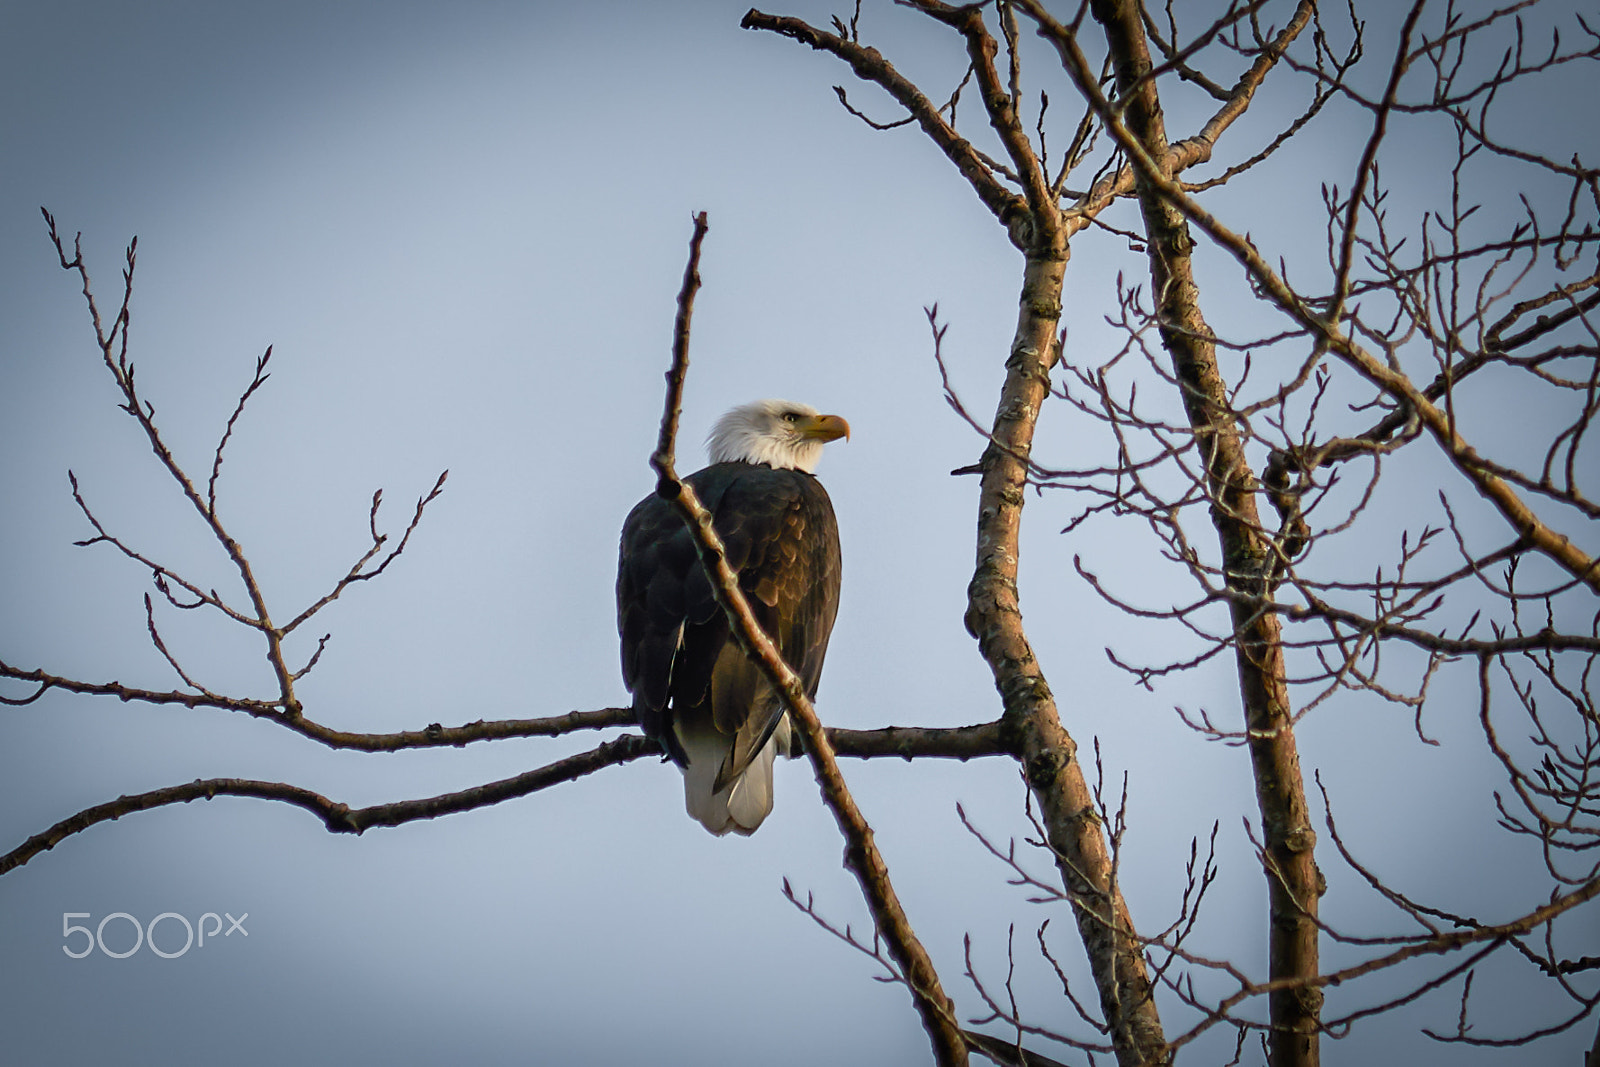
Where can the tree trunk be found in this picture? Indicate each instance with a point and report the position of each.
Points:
(1292, 877)
(1048, 752)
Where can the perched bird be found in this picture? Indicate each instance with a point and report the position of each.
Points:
(693, 689)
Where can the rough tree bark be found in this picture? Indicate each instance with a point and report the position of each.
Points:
(1048, 753)
(1249, 558)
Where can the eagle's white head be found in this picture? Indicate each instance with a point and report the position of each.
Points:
(779, 433)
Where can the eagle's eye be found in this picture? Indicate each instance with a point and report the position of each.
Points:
(791, 416)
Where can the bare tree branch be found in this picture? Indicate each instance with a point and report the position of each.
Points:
(340, 818)
(861, 853)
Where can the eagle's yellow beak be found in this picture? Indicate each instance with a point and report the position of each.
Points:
(824, 428)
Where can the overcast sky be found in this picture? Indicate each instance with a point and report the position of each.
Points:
(462, 229)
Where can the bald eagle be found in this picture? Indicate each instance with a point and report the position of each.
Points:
(693, 690)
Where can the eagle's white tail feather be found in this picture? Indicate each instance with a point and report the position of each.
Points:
(742, 804)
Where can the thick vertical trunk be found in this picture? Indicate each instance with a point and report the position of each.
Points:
(1048, 752)
(1292, 876)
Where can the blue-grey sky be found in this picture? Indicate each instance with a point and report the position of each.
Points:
(462, 228)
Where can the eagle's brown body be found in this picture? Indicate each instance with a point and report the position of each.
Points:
(693, 689)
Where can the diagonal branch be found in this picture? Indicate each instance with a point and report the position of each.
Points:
(869, 65)
(357, 573)
(1559, 548)
(1000, 102)
(861, 853)
(256, 382)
